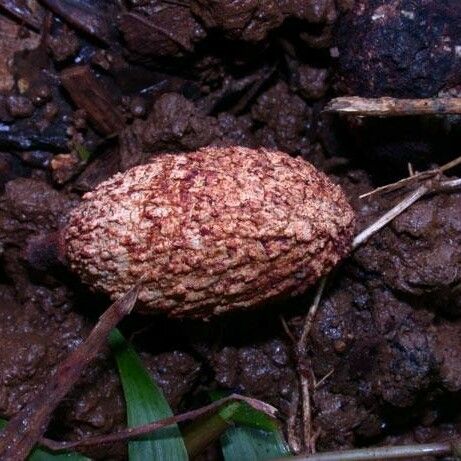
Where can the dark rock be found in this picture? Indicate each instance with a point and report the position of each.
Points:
(402, 48)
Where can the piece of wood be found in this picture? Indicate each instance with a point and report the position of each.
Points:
(26, 12)
(90, 95)
(391, 107)
(93, 17)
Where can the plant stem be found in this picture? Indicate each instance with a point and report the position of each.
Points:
(390, 215)
(203, 432)
(380, 453)
(139, 431)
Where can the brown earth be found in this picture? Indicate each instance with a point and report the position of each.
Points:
(388, 328)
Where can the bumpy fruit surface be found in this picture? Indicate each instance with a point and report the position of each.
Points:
(211, 231)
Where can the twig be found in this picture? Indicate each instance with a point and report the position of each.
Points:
(25, 429)
(304, 367)
(450, 184)
(390, 215)
(391, 107)
(382, 453)
(321, 381)
(139, 431)
(312, 311)
(287, 330)
(89, 94)
(306, 412)
(428, 186)
(418, 176)
(293, 440)
(411, 172)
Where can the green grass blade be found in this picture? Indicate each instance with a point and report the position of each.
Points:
(41, 455)
(241, 414)
(249, 444)
(255, 436)
(145, 403)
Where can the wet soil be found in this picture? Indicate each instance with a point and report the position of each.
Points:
(95, 88)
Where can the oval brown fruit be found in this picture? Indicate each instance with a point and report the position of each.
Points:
(211, 231)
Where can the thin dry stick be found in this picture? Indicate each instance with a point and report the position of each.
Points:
(27, 427)
(139, 431)
(304, 367)
(428, 186)
(355, 105)
(450, 184)
(307, 412)
(390, 215)
(382, 453)
(411, 172)
(312, 311)
(293, 440)
(416, 177)
(321, 381)
(287, 330)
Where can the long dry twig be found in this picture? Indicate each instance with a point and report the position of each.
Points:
(139, 431)
(27, 427)
(304, 368)
(384, 453)
(414, 178)
(390, 215)
(293, 440)
(311, 313)
(304, 371)
(355, 105)
(429, 186)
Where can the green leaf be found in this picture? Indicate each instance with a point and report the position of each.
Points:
(256, 436)
(241, 413)
(145, 403)
(248, 444)
(39, 454)
(83, 152)
(201, 433)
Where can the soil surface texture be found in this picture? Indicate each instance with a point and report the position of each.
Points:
(92, 88)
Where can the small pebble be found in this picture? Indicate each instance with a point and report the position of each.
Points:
(19, 106)
(340, 346)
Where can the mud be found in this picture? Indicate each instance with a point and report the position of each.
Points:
(182, 75)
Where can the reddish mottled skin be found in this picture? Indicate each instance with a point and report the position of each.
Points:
(211, 231)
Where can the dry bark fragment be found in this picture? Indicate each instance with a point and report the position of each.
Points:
(390, 107)
(90, 95)
(92, 16)
(26, 12)
(167, 32)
